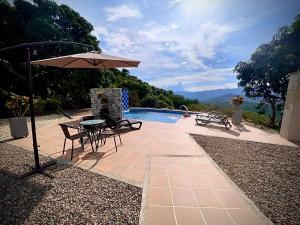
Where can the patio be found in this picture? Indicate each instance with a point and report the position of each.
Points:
(182, 185)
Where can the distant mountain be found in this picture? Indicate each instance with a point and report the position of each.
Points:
(206, 95)
(224, 101)
(221, 97)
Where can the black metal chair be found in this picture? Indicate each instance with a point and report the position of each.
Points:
(80, 135)
(112, 130)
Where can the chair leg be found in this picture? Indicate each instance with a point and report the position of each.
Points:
(82, 145)
(120, 138)
(91, 141)
(115, 143)
(64, 146)
(72, 150)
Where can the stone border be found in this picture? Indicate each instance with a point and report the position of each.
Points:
(143, 220)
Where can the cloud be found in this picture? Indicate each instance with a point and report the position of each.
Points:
(203, 8)
(172, 3)
(174, 48)
(165, 49)
(99, 31)
(188, 80)
(121, 12)
(212, 87)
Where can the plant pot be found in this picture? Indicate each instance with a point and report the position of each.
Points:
(18, 127)
(237, 117)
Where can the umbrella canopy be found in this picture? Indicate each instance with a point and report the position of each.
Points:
(88, 60)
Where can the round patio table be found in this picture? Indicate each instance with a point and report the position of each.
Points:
(92, 127)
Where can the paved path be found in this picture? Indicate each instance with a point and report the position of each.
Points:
(182, 185)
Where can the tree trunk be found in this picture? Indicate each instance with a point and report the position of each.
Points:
(273, 114)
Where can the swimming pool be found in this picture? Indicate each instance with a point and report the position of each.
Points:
(158, 115)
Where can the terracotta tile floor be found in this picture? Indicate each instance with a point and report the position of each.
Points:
(181, 183)
(207, 198)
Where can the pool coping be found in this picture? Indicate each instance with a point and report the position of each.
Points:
(162, 110)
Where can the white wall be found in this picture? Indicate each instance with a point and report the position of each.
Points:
(290, 127)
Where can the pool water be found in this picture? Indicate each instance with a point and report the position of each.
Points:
(165, 116)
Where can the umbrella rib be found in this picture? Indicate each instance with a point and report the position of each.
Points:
(70, 62)
(102, 64)
(91, 63)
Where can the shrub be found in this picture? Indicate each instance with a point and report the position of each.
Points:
(53, 103)
(40, 105)
(18, 104)
(257, 118)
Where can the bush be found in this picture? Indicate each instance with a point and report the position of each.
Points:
(257, 118)
(53, 103)
(149, 101)
(161, 104)
(40, 105)
(199, 107)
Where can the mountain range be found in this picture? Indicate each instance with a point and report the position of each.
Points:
(221, 97)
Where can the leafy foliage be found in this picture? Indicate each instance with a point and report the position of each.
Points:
(23, 21)
(237, 100)
(18, 105)
(265, 75)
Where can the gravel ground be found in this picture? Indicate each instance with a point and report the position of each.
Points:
(268, 174)
(74, 196)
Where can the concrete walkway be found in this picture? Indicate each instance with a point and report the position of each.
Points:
(182, 185)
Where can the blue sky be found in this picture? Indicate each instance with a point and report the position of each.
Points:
(187, 45)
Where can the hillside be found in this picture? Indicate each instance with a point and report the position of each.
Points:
(221, 97)
(224, 101)
(206, 95)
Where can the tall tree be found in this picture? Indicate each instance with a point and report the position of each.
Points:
(42, 20)
(265, 75)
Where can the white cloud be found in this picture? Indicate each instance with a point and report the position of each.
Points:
(188, 80)
(192, 42)
(165, 47)
(121, 12)
(173, 47)
(99, 31)
(205, 8)
(173, 3)
(212, 87)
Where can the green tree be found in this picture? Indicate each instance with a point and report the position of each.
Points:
(265, 75)
(41, 20)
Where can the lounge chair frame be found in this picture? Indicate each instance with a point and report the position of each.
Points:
(123, 122)
(213, 117)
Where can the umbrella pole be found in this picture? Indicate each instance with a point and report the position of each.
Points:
(38, 168)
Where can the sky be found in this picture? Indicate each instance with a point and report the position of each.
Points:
(185, 45)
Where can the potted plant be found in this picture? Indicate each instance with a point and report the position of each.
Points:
(19, 106)
(237, 115)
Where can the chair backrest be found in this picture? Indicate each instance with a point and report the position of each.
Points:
(117, 126)
(108, 120)
(65, 129)
(87, 118)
